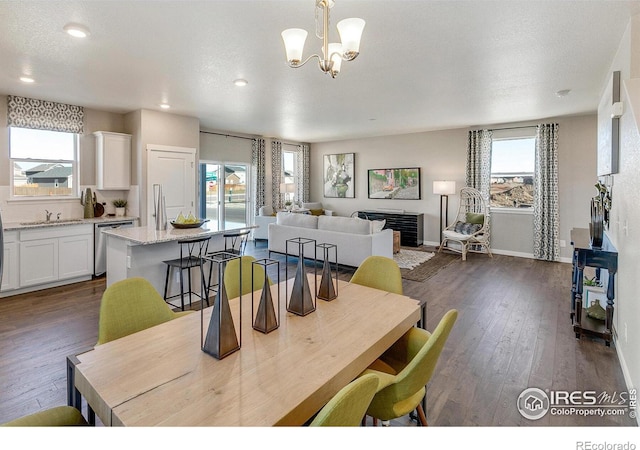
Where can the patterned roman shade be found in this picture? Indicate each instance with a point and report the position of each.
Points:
(23, 112)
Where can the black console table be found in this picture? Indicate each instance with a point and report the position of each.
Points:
(584, 255)
(409, 224)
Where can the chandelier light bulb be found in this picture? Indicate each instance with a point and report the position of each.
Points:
(350, 34)
(294, 39)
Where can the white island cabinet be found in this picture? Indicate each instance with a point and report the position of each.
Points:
(140, 252)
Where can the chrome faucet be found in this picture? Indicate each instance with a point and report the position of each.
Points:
(48, 215)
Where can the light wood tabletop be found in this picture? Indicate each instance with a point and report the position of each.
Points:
(160, 376)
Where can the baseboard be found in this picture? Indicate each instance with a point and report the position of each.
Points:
(506, 252)
(623, 365)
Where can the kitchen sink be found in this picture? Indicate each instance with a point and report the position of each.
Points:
(51, 222)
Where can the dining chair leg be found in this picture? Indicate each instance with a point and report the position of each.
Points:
(189, 283)
(166, 283)
(421, 416)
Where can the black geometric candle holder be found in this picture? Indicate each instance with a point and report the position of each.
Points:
(327, 290)
(265, 317)
(301, 301)
(222, 339)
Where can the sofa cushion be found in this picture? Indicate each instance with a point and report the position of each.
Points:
(377, 225)
(317, 212)
(266, 210)
(312, 205)
(297, 220)
(344, 224)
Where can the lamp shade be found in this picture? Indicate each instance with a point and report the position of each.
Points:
(444, 187)
(335, 54)
(294, 43)
(350, 33)
(287, 188)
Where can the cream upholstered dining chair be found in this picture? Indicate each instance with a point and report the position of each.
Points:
(471, 228)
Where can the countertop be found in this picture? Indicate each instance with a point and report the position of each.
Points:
(29, 224)
(149, 235)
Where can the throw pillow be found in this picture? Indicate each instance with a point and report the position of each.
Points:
(475, 218)
(377, 225)
(317, 212)
(466, 227)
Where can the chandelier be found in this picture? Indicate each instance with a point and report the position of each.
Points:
(333, 54)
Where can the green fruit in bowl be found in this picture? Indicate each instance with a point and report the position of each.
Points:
(180, 218)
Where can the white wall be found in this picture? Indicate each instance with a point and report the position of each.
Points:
(624, 228)
(441, 155)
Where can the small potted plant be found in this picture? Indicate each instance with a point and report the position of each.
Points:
(120, 205)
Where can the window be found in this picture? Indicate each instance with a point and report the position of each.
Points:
(512, 173)
(288, 167)
(43, 163)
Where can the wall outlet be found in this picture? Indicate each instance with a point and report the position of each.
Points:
(563, 243)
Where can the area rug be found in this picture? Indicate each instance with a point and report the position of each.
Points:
(429, 267)
(410, 259)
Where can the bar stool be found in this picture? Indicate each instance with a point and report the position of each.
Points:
(192, 252)
(236, 241)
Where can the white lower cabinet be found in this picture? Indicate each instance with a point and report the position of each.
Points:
(47, 256)
(10, 265)
(38, 262)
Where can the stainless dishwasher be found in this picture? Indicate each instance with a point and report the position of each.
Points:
(100, 244)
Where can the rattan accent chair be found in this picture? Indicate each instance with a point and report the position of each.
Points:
(471, 227)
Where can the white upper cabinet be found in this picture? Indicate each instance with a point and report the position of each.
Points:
(113, 160)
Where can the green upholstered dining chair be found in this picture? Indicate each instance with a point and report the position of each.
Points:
(379, 272)
(232, 276)
(129, 306)
(349, 405)
(58, 416)
(405, 369)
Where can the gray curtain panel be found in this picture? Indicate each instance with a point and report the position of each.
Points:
(302, 187)
(546, 223)
(479, 169)
(276, 174)
(23, 112)
(479, 161)
(258, 155)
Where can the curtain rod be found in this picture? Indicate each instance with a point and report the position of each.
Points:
(244, 137)
(513, 128)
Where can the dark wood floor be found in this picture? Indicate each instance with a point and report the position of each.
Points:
(513, 332)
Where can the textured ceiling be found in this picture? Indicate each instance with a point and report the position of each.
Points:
(423, 65)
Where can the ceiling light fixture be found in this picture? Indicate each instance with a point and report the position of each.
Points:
(240, 82)
(76, 30)
(333, 54)
(27, 79)
(165, 106)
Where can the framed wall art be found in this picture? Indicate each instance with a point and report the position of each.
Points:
(401, 184)
(339, 175)
(609, 128)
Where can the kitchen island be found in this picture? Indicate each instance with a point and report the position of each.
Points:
(139, 252)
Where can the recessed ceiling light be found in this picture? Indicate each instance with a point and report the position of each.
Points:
(240, 82)
(76, 30)
(165, 106)
(27, 79)
(563, 93)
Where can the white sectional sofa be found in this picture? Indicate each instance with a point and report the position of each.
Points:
(356, 238)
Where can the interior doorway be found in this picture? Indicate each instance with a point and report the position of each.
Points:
(225, 194)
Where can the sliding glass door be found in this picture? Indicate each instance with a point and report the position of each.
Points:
(224, 198)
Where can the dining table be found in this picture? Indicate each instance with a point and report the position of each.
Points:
(161, 376)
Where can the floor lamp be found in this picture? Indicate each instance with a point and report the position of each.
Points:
(444, 189)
